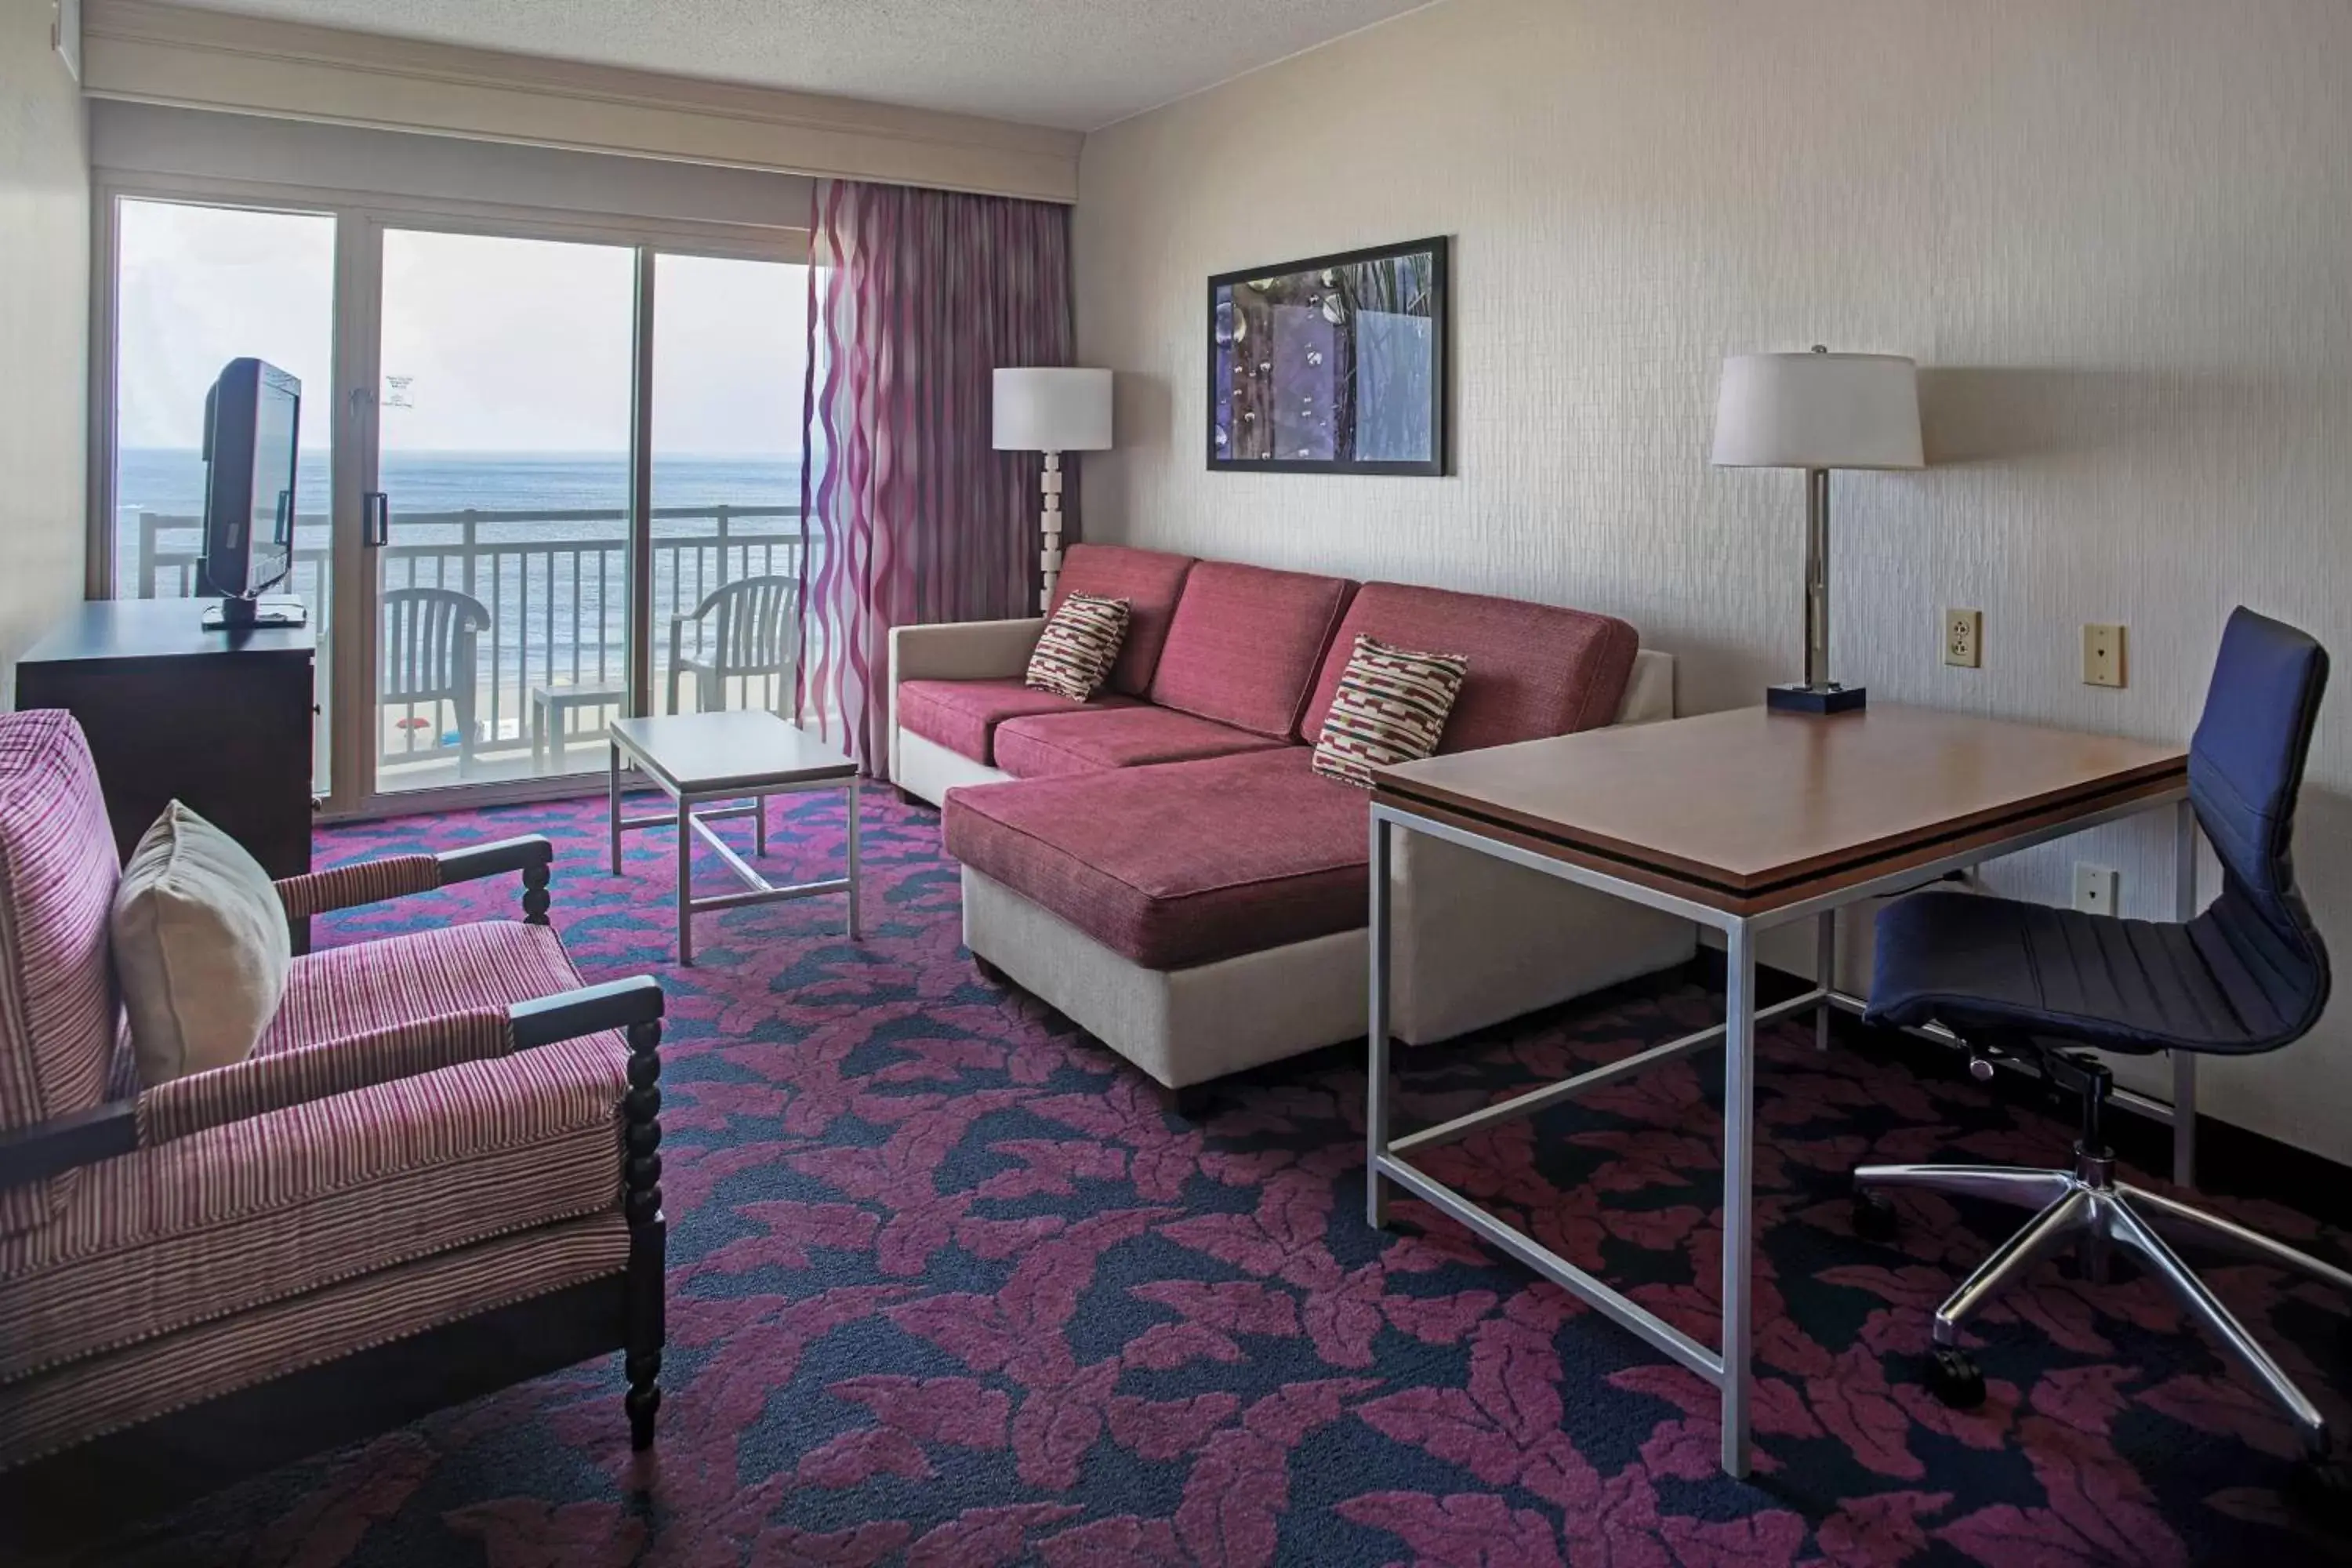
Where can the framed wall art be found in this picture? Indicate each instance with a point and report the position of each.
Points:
(1336, 364)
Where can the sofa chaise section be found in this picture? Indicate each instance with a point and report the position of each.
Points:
(1205, 916)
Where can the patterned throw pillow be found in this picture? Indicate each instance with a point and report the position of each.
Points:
(1391, 707)
(1078, 646)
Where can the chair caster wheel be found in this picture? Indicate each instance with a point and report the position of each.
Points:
(2321, 1490)
(1953, 1377)
(1874, 1218)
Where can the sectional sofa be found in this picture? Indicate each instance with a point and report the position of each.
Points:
(1163, 865)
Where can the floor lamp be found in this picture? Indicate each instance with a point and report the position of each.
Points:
(1818, 411)
(1052, 411)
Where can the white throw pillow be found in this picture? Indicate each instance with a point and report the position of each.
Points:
(201, 948)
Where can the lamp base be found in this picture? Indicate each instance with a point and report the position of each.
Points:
(1831, 699)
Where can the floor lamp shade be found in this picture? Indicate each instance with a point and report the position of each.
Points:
(1053, 410)
(1817, 412)
(1039, 409)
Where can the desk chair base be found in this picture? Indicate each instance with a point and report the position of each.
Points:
(2087, 1209)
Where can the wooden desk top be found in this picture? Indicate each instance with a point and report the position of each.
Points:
(1748, 809)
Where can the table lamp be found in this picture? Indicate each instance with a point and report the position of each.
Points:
(1052, 411)
(1818, 411)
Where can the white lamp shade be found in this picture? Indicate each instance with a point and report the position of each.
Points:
(1051, 410)
(1818, 411)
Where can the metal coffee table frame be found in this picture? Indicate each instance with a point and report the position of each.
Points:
(1725, 1366)
(692, 824)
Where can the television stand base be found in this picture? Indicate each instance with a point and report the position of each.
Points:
(237, 614)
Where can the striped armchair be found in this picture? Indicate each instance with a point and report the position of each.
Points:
(437, 1173)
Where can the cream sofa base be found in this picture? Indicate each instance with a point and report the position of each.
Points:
(927, 770)
(1477, 941)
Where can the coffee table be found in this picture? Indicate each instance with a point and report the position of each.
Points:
(698, 759)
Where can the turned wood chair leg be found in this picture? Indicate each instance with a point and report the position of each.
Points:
(534, 895)
(641, 1169)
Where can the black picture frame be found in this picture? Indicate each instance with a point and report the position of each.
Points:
(1226, 306)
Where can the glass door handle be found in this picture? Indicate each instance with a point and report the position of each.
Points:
(375, 519)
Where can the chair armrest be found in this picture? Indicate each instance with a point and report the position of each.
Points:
(963, 650)
(260, 1084)
(396, 876)
(591, 1009)
(477, 860)
(46, 1149)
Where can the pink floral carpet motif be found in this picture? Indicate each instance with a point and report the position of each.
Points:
(949, 1285)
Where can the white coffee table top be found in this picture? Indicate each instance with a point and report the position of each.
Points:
(712, 753)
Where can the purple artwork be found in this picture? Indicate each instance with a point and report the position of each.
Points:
(1332, 365)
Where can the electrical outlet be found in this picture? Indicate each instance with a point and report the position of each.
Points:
(2097, 888)
(1964, 637)
(2103, 656)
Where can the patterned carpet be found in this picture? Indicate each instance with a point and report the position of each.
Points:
(949, 1286)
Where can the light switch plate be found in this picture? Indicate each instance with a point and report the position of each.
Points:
(2103, 656)
(1964, 637)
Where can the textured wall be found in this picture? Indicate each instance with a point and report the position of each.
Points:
(44, 326)
(2115, 234)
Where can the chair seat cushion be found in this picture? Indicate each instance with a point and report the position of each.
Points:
(1044, 745)
(266, 1208)
(1987, 963)
(963, 715)
(1279, 855)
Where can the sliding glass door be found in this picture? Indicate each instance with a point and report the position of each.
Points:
(501, 538)
(558, 463)
(728, 362)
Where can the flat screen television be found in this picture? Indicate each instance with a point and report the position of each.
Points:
(253, 417)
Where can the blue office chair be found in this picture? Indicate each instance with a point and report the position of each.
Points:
(2026, 980)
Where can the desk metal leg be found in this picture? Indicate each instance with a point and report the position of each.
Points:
(1825, 974)
(613, 798)
(1738, 1196)
(2184, 1063)
(856, 814)
(685, 881)
(1376, 1091)
(760, 824)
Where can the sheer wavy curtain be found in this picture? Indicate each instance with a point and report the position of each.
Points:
(908, 516)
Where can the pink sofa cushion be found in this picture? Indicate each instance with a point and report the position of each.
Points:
(1246, 644)
(1177, 865)
(963, 715)
(1149, 581)
(1045, 745)
(1535, 670)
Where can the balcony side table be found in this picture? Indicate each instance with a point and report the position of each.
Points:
(1742, 822)
(550, 708)
(702, 759)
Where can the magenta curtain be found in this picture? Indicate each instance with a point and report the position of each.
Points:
(908, 516)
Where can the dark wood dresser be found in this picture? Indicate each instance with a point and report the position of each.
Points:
(217, 721)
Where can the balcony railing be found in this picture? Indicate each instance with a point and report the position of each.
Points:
(558, 604)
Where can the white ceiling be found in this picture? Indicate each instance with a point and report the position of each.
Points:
(1076, 64)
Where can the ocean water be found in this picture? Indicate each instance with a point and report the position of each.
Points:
(172, 482)
(554, 588)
